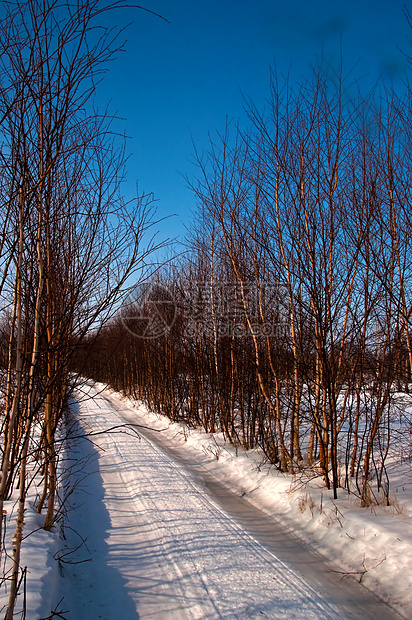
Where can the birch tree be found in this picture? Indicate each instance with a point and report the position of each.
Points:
(77, 241)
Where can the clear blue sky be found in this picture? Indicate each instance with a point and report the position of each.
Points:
(178, 81)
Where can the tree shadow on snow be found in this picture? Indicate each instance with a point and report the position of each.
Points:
(85, 584)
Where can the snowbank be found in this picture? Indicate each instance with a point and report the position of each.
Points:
(373, 545)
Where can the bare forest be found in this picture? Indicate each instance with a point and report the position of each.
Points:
(287, 323)
(68, 239)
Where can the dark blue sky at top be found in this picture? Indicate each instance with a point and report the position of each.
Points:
(178, 81)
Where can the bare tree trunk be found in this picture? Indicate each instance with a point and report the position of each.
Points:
(15, 400)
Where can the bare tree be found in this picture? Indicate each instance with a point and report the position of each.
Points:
(76, 242)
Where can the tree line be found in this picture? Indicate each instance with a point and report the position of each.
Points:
(287, 323)
(68, 241)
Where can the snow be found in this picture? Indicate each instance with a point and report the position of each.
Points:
(143, 539)
(38, 549)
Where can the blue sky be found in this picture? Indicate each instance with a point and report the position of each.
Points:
(178, 81)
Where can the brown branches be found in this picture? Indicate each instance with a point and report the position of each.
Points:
(73, 242)
(294, 302)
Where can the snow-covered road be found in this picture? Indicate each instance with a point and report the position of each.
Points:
(158, 545)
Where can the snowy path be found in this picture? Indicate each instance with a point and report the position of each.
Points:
(160, 547)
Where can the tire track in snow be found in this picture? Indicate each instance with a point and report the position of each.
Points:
(283, 577)
(311, 604)
(193, 546)
(184, 573)
(170, 584)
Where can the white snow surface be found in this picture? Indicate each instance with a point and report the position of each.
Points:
(142, 539)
